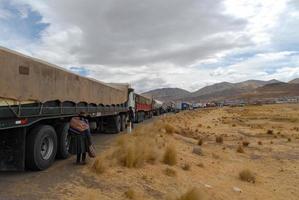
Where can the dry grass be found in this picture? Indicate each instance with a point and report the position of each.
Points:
(201, 165)
(170, 156)
(134, 150)
(200, 141)
(240, 149)
(99, 165)
(169, 128)
(131, 194)
(186, 167)
(170, 172)
(219, 139)
(245, 143)
(247, 175)
(270, 132)
(193, 194)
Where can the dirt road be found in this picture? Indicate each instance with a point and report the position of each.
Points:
(37, 185)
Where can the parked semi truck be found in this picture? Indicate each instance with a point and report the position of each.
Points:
(37, 101)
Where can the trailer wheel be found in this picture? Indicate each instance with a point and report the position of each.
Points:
(123, 122)
(41, 147)
(117, 124)
(63, 140)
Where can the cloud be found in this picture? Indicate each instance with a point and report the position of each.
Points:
(151, 44)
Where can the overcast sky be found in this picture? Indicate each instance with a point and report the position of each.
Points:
(158, 43)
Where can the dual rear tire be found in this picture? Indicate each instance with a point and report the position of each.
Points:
(43, 145)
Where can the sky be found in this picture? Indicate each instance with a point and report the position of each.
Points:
(155, 44)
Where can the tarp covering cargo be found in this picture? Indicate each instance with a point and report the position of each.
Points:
(24, 78)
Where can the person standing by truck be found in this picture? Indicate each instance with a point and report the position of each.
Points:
(80, 138)
(131, 115)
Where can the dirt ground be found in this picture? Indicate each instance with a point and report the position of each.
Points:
(268, 135)
(133, 166)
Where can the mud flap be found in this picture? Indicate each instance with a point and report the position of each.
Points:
(12, 149)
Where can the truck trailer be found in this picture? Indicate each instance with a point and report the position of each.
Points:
(37, 101)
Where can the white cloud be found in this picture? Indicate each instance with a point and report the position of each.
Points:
(170, 43)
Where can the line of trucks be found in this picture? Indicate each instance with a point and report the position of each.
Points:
(38, 100)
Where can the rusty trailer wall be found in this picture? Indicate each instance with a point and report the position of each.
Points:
(26, 79)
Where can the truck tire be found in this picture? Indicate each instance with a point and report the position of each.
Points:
(123, 122)
(41, 147)
(117, 124)
(62, 131)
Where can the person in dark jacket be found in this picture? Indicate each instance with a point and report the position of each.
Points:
(80, 140)
(131, 116)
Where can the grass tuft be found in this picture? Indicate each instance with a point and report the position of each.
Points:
(219, 139)
(99, 166)
(193, 194)
(247, 175)
(245, 143)
(170, 172)
(240, 149)
(170, 156)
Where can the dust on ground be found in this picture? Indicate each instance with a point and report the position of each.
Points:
(133, 167)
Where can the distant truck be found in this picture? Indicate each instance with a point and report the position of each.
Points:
(183, 106)
(37, 101)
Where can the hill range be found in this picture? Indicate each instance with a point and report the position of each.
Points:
(225, 90)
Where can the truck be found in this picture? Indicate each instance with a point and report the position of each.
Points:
(37, 102)
(142, 106)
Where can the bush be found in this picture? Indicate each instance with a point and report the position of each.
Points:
(247, 175)
(170, 156)
(170, 172)
(193, 194)
(219, 139)
(240, 149)
(289, 139)
(260, 143)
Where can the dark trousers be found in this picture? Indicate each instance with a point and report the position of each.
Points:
(88, 136)
(81, 157)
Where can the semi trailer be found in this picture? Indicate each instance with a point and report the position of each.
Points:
(37, 101)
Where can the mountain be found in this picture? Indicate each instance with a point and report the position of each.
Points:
(168, 94)
(225, 90)
(231, 88)
(295, 81)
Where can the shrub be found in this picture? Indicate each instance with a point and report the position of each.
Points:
(260, 143)
(208, 127)
(289, 139)
(193, 194)
(170, 172)
(247, 175)
(240, 149)
(219, 139)
(170, 156)
(245, 143)
(186, 167)
(99, 166)
(234, 125)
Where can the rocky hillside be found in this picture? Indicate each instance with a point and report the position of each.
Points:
(166, 94)
(226, 90)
